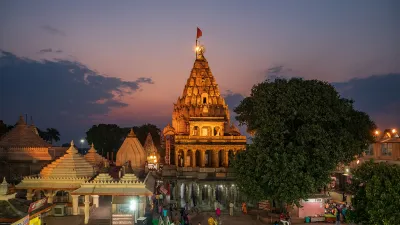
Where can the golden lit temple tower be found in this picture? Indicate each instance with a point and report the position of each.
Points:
(203, 134)
(199, 144)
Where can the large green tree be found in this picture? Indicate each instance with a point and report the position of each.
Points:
(50, 135)
(376, 190)
(302, 130)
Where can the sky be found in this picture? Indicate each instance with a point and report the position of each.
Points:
(72, 64)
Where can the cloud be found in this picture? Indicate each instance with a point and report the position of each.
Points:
(60, 93)
(376, 95)
(49, 50)
(52, 30)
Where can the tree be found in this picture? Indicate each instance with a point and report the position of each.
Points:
(376, 189)
(302, 130)
(106, 137)
(52, 134)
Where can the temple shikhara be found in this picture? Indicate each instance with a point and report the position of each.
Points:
(200, 143)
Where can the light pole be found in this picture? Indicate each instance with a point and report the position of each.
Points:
(82, 141)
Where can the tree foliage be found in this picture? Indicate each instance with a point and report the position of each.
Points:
(50, 135)
(376, 189)
(302, 130)
(109, 137)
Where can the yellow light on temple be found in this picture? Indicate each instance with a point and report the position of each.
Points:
(358, 161)
(155, 160)
(197, 48)
(394, 131)
(376, 132)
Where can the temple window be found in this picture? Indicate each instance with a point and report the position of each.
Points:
(370, 150)
(386, 149)
(217, 131)
(204, 100)
(195, 131)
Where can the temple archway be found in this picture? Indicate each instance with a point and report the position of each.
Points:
(230, 156)
(208, 158)
(198, 158)
(189, 158)
(221, 157)
(180, 158)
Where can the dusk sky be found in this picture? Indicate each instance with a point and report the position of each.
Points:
(72, 64)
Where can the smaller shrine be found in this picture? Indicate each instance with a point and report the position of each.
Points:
(131, 151)
(64, 174)
(94, 158)
(128, 193)
(153, 157)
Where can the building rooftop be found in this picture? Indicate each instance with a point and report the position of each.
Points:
(22, 135)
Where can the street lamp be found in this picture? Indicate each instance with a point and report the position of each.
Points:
(82, 141)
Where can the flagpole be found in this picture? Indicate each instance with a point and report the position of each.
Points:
(196, 49)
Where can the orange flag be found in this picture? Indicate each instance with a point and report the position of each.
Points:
(199, 33)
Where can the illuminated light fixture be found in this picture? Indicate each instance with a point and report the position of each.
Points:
(155, 160)
(133, 205)
(197, 48)
(82, 141)
(394, 131)
(358, 161)
(376, 132)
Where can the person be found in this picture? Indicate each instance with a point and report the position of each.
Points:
(211, 221)
(218, 212)
(344, 210)
(244, 208)
(337, 214)
(282, 218)
(231, 209)
(199, 223)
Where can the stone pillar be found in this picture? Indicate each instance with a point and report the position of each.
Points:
(142, 202)
(202, 158)
(95, 200)
(29, 194)
(194, 158)
(49, 196)
(226, 158)
(87, 202)
(184, 157)
(75, 205)
(176, 157)
(215, 158)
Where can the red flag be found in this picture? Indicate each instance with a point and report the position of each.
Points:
(199, 33)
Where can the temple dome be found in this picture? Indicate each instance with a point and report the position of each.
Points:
(72, 164)
(131, 150)
(93, 157)
(22, 135)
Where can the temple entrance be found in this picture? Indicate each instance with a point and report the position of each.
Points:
(230, 157)
(189, 158)
(208, 158)
(221, 158)
(180, 158)
(198, 158)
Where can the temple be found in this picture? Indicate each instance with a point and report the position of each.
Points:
(94, 158)
(200, 143)
(201, 126)
(131, 151)
(23, 152)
